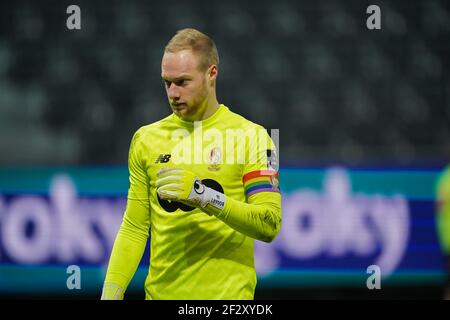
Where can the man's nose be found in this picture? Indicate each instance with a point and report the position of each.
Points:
(173, 91)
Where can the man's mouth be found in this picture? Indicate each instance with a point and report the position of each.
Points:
(178, 105)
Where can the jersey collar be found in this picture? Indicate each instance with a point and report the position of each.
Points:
(208, 122)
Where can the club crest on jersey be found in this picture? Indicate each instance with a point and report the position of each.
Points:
(214, 159)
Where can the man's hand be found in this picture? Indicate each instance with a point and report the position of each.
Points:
(112, 292)
(180, 185)
(184, 186)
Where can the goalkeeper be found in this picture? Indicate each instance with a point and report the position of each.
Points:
(203, 216)
(443, 223)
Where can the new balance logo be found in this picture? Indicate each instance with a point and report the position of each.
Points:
(163, 158)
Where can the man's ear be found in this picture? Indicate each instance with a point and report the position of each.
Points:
(213, 71)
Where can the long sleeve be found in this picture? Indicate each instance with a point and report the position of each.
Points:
(260, 219)
(260, 216)
(131, 238)
(443, 210)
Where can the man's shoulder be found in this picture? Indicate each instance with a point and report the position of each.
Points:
(241, 121)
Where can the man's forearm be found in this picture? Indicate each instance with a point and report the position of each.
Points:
(126, 254)
(261, 220)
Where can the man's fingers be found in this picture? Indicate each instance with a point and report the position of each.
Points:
(168, 171)
(167, 180)
(167, 195)
(169, 192)
(170, 187)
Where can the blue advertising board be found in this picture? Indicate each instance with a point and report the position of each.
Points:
(338, 223)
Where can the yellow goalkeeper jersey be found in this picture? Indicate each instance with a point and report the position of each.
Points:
(443, 209)
(194, 255)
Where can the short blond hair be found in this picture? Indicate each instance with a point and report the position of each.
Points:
(198, 42)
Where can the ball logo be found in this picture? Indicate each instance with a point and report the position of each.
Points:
(198, 187)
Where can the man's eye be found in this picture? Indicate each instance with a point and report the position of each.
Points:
(180, 82)
(167, 83)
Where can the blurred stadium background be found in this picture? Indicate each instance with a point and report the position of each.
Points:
(364, 134)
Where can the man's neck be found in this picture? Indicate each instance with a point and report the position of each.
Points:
(209, 111)
(209, 107)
